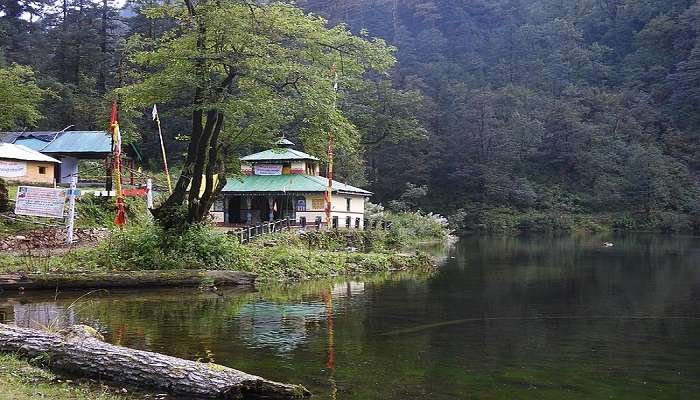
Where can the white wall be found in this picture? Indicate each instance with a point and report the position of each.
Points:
(338, 209)
(67, 168)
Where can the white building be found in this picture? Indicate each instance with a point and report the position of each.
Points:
(285, 183)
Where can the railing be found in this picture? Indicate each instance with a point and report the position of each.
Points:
(245, 235)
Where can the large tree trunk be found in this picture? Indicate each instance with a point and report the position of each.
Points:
(196, 189)
(81, 350)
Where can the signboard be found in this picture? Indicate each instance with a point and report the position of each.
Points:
(136, 192)
(40, 201)
(268, 169)
(301, 204)
(13, 169)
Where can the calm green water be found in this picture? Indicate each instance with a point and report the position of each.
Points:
(504, 318)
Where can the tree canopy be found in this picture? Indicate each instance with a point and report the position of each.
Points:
(19, 98)
(243, 71)
(515, 106)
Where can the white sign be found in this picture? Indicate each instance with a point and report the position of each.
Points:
(13, 169)
(40, 201)
(268, 169)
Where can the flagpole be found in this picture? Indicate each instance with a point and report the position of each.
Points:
(162, 149)
(120, 218)
(329, 174)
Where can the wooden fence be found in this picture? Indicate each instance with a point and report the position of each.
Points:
(246, 234)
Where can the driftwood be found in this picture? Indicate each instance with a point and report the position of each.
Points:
(131, 279)
(81, 350)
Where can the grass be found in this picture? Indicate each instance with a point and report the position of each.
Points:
(20, 380)
(280, 257)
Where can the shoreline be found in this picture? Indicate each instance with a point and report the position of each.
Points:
(18, 280)
(127, 279)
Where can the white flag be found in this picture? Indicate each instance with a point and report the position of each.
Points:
(154, 114)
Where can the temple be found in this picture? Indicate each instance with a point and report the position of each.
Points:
(283, 183)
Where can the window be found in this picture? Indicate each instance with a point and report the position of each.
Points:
(348, 202)
(318, 204)
(318, 221)
(348, 222)
(335, 222)
(42, 170)
(301, 204)
(357, 223)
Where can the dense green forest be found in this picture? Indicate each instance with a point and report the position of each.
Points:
(502, 114)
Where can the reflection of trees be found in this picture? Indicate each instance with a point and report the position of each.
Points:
(291, 332)
(511, 277)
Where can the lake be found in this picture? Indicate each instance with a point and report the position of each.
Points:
(502, 318)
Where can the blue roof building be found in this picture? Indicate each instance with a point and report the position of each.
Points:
(66, 146)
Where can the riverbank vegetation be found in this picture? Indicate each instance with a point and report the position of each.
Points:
(283, 256)
(290, 255)
(20, 380)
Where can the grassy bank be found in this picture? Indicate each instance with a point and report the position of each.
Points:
(284, 257)
(20, 380)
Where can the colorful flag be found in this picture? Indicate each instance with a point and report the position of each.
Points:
(120, 218)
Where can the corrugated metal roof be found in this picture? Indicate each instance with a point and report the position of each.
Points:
(12, 137)
(279, 155)
(32, 142)
(19, 152)
(74, 142)
(80, 142)
(286, 183)
(284, 142)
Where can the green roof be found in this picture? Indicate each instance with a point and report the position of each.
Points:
(257, 184)
(279, 155)
(284, 142)
(80, 142)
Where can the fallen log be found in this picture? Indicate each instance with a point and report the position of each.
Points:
(81, 350)
(127, 279)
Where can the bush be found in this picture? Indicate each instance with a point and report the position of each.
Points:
(100, 211)
(147, 246)
(4, 197)
(408, 227)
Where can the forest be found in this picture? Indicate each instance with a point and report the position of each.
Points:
(501, 114)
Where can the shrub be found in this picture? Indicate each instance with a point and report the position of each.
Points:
(408, 227)
(4, 197)
(99, 211)
(147, 246)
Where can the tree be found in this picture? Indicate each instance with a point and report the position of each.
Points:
(257, 66)
(19, 98)
(4, 198)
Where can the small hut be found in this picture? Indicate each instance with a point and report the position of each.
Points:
(23, 165)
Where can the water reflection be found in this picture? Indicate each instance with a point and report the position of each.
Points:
(39, 315)
(504, 318)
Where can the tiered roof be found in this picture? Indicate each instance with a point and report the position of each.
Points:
(282, 184)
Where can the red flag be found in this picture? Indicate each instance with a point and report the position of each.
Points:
(115, 115)
(120, 218)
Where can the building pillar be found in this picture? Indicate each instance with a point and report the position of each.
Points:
(226, 201)
(248, 206)
(271, 204)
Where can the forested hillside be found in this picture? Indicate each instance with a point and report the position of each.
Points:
(547, 106)
(503, 114)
